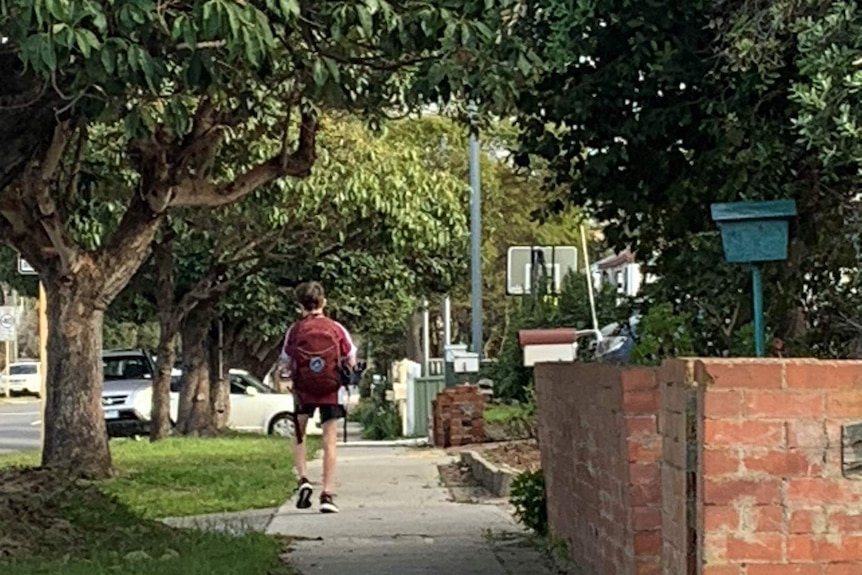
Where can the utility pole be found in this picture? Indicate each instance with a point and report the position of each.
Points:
(475, 236)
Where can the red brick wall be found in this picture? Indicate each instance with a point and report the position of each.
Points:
(679, 432)
(775, 500)
(728, 467)
(458, 416)
(601, 454)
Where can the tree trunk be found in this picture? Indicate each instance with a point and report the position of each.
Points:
(160, 422)
(219, 383)
(195, 416)
(76, 439)
(414, 337)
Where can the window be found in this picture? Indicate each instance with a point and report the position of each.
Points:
(126, 367)
(239, 383)
(237, 386)
(23, 369)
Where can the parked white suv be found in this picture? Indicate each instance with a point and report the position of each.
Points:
(128, 395)
(24, 377)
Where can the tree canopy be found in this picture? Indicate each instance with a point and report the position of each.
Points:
(649, 112)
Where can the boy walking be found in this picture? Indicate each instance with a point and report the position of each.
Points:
(316, 349)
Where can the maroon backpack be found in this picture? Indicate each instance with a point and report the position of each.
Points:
(315, 347)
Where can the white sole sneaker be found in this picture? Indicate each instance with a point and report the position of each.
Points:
(303, 500)
(328, 507)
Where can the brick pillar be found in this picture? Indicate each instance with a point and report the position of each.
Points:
(459, 416)
(775, 496)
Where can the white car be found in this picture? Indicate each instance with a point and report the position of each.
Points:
(23, 377)
(127, 399)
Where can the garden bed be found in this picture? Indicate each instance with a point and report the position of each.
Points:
(519, 455)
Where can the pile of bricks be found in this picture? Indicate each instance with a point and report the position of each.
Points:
(458, 416)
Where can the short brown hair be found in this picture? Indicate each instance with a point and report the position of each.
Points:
(310, 295)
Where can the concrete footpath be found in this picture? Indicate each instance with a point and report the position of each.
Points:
(398, 519)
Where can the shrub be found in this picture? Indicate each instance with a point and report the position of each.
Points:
(531, 505)
(379, 418)
(662, 333)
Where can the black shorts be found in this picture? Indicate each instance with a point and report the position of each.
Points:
(327, 412)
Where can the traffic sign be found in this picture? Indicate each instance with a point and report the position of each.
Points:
(8, 324)
(24, 268)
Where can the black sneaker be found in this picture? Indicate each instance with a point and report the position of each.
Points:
(303, 500)
(327, 505)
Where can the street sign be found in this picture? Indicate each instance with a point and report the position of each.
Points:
(24, 268)
(8, 324)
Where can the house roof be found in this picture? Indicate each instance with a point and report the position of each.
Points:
(616, 260)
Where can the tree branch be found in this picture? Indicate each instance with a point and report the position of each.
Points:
(37, 188)
(129, 245)
(199, 192)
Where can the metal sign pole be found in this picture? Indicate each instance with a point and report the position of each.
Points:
(475, 239)
(757, 294)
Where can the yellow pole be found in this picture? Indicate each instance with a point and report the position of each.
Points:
(43, 353)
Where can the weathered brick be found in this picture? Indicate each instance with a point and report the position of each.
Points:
(824, 375)
(720, 517)
(721, 461)
(641, 401)
(723, 404)
(760, 547)
(844, 403)
(778, 569)
(782, 463)
(808, 491)
(745, 433)
(769, 518)
(783, 404)
(728, 491)
(846, 521)
(806, 434)
(744, 374)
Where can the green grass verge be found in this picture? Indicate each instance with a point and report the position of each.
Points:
(190, 476)
(51, 527)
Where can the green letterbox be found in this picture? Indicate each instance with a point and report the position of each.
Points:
(754, 233)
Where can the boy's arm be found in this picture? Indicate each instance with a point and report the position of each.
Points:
(348, 348)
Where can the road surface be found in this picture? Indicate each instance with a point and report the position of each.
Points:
(19, 425)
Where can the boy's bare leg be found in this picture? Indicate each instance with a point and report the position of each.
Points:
(299, 448)
(330, 442)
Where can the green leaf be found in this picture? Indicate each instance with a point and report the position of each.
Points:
(87, 42)
(49, 56)
(108, 57)
(178, 27)
(289, 8)
(233, 21)
(318, 72)
(365, 20)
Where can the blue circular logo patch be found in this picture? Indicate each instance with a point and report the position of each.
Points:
(316, 364)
